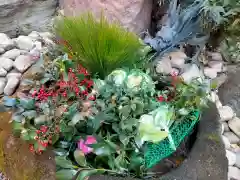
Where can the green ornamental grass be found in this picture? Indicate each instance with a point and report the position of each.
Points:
(98, 45)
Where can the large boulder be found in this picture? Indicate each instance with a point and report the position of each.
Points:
(134, 15)
(24, 16)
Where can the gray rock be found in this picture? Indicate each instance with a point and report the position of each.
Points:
(237, 159)
(226, 142)
(3, 72)
(34, 35)
(2, 50)
(210, 72)
(222, 128)
(5, 42)
(215, 56)
(12, 54)
(14, 74)
(217, 65)
(24, 43)
(191, 72)
(2, 85)
(164, 66)
(177, 59)
(233, 139)
(229, 93)
(6, 63)
(233, 172)
(234, 125)
(22, 63)
(219, 80)
(231, 157)
(11, 86)
(226, 128)
(226, 113)
(24, 16)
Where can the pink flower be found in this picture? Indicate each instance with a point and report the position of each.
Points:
(82, 145)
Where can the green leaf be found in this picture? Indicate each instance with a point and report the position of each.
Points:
(124, 139)
(72, 110)
(30, 114)
(65, 174)
(121, 162)
(17, 118)
(128, 124)
(60, 152)
(25, 136)
(80, 77)
(125, 111)
(45, 80)
(76, 118)
(65, 76)
(32, 134)
(63, 144)
(85, 174)
(55, 138)
(101, 149)
(40, 119)
(27, 104)
(63, 162)
(135, 162)
(80, 158)
(17, 126)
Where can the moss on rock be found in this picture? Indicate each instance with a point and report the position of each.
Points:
(17, 162)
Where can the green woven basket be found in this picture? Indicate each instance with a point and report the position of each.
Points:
(156, 152)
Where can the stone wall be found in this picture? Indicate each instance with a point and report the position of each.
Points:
(23, 16)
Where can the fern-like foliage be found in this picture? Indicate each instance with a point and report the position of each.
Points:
(99, 46)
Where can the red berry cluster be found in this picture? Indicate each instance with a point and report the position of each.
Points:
(172, 94)
(80, 88)
(43, 138)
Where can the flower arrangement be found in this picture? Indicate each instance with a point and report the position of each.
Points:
(102, 124)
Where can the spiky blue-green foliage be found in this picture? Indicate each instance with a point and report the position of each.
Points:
(181, 26)
(99, 46)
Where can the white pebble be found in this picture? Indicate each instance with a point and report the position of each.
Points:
(226, 142)
(210, 72)
(233, 139)
(234, 125)
(226, 113)
(231, 157)
(11, 86)
(24, 43)
(12, 54)
(233, 172)
(217, 65)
